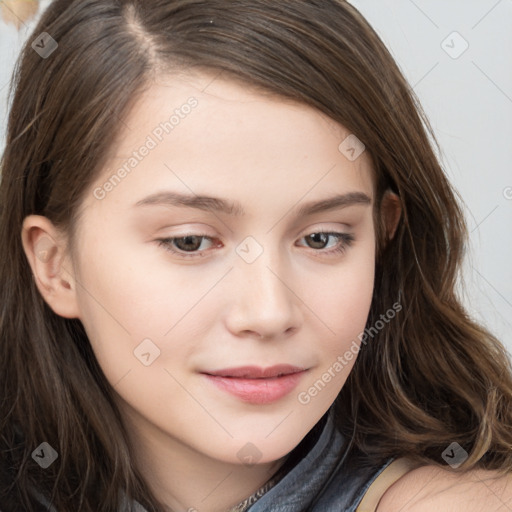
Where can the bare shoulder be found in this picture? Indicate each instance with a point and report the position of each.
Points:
(431, 488)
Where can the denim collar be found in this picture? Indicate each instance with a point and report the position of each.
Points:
(298, 490)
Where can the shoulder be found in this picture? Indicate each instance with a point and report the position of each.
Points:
(429, 488)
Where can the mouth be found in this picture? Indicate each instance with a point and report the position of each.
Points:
(257, 385)
(256, 372)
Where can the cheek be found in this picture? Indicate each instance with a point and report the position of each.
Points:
(346, 291)
(348, 310)
(342, 301)
(118, 305)
(119, 286)
(127, 298)
(343, 308)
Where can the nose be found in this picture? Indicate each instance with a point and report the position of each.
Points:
(262, 300)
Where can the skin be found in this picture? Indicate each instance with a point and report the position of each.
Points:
(431, 488)
(294, 304)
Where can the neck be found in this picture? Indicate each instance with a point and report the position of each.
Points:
(183, 479)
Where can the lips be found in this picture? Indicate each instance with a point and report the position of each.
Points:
(255, 372)
(257, 385)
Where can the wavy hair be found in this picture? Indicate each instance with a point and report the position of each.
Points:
(429, 377)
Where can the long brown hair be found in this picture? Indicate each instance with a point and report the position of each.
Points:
(430, 377)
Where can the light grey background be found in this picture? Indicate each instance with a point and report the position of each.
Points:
(468, 99)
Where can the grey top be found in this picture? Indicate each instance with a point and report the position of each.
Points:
(330, 477)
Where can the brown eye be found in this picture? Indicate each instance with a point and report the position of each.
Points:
(185, 244)
(319, 240)
(188, 243)
(188, 246)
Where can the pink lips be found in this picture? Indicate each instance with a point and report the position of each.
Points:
(257, 385)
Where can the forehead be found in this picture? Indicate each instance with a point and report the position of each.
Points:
(201, 133)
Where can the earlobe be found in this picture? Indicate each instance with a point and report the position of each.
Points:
(391, 211)
(46, 253)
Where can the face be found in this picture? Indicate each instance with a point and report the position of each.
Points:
(172, 289)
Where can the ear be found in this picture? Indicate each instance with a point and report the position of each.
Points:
(391, 210)
(46, 251)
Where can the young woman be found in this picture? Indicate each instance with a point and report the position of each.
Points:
(228, 270)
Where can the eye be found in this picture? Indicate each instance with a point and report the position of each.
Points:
(187, 246)
(187, 243)
(345, 240)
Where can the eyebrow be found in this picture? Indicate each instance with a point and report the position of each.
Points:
(234, 208)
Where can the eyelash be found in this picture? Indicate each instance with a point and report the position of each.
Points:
(346, 242)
